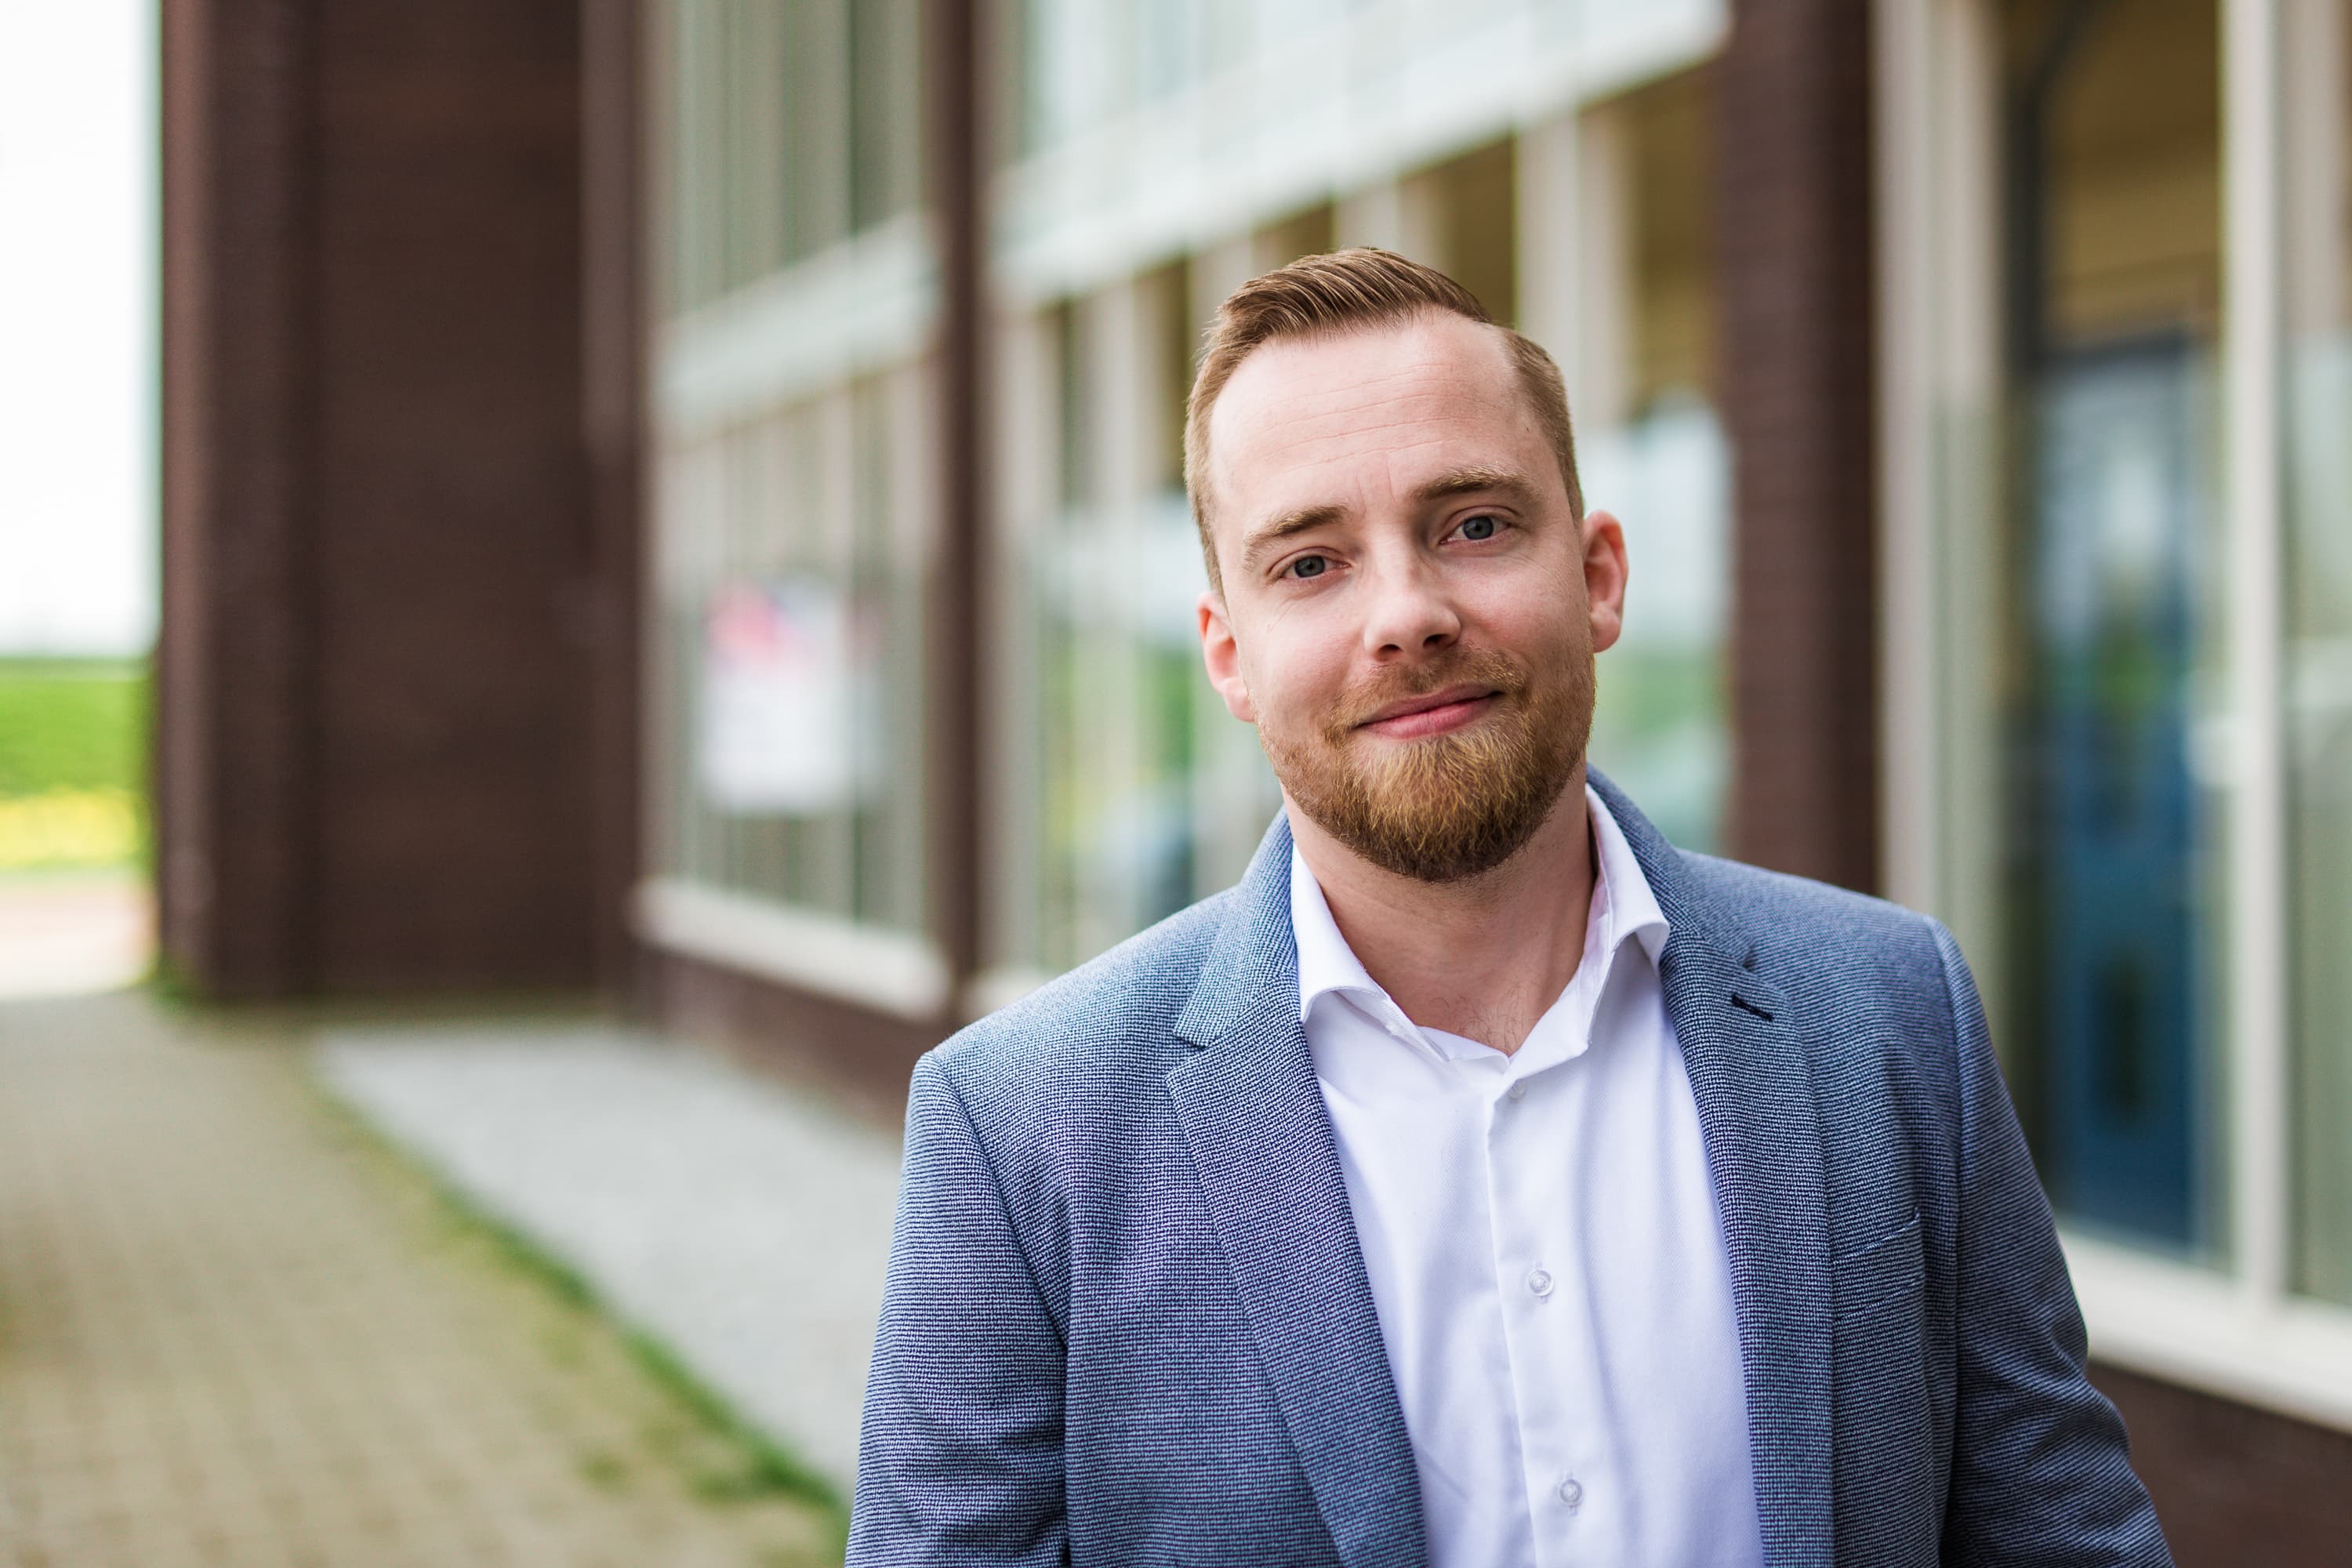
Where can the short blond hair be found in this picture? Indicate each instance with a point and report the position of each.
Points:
(1344, 290)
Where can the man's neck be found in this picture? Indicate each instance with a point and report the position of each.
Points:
(1485, 957)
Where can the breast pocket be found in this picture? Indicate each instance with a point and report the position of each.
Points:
(1866, 1280)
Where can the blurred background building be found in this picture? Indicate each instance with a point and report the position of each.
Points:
(683, 497)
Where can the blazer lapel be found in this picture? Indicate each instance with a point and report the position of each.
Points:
(1762, 1131)
(1262, 1144)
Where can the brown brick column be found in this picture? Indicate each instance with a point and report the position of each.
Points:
(233, 752)
(616, 63)
(956, 117)
(394, 608)
(1793, 227)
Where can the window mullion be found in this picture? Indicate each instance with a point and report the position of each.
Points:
(2261, 1144)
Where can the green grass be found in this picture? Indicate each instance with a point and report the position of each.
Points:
(72, 724)
(73, 763)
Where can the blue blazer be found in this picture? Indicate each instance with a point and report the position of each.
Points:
(1127, 1321)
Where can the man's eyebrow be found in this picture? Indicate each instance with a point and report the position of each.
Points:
(1285, 525)
(1470, 480)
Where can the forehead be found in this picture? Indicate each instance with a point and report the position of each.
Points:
(1332, 420)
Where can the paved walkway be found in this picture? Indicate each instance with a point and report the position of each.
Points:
(234, 1331)
(63, 932)
(744, 1225)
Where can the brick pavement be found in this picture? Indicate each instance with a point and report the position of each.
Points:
(234, 1331)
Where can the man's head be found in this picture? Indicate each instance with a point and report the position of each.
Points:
(1406, 594)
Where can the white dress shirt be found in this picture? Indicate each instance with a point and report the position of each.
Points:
(1545, 1254)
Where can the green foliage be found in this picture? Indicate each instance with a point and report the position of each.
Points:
(71, 724)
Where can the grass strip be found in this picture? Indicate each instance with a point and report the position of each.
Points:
(757, 1466)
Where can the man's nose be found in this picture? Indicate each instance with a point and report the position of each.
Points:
(1410, 613)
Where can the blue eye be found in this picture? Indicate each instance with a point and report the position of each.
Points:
(1309, 567)
(1478, 528)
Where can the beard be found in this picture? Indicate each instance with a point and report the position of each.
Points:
(1444, 807)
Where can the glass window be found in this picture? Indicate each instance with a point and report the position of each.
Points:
(1111, 575)
(1478, 217)
(1650, 447)
(2111, 285)
(886, 119)
(2318, 407)
(1079, 63)
(791, 125)
(1167, 46)
(810, 83)
(695, 42)
(789, 656)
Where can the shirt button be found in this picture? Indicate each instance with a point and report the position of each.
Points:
(1572, 1491)
(1519, 1091)
(1539, 1281)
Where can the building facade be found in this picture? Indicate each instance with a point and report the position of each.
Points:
(1973, 378)
(2062, 354)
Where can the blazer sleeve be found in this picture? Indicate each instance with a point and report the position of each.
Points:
(2040, 1468)
(959, 1455)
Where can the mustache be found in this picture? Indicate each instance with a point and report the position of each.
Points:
(1469, 666)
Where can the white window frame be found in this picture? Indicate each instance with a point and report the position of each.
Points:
(2238, 1332)
(890, 971)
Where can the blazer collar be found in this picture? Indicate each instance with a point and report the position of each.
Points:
(1262, 1142)
(1750, 1073)
(1253, 951)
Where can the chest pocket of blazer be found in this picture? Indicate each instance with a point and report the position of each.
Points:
(1877, 1274)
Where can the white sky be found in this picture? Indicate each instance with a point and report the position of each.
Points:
(77, 514)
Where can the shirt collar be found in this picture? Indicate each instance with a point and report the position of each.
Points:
(1325, 963)
(1632, 907)
(1622, 903)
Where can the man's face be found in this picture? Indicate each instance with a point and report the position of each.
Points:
(1409, 611)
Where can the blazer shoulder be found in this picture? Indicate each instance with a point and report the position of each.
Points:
(1110, 1015)
(1775, 909)
(1855, 953)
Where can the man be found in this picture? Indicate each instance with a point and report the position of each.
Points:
(1484, 1181)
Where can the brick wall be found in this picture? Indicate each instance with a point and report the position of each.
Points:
(1794, 240)
(230, 794)
(390, 615)
(2235, 1485)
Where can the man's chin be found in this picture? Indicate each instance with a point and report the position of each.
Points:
(1445, 852)
(1411, 829)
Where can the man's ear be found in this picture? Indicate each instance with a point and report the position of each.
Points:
(1223, 656)
(1605, 572)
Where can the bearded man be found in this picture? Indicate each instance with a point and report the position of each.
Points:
(1484, 1181)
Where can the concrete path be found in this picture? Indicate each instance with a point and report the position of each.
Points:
(234, 1331)
(742, 1224)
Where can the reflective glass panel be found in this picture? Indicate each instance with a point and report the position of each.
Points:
(790, 642)
(2111, 286)
(1652, 451)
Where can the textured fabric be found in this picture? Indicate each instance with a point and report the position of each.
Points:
(1540, 1235)
(1127, 1322)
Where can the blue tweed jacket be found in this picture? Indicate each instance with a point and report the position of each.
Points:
(1127, 1321)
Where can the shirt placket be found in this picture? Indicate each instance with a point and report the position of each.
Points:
(1546, 1323)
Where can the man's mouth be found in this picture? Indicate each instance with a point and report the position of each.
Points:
(1432, 713)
